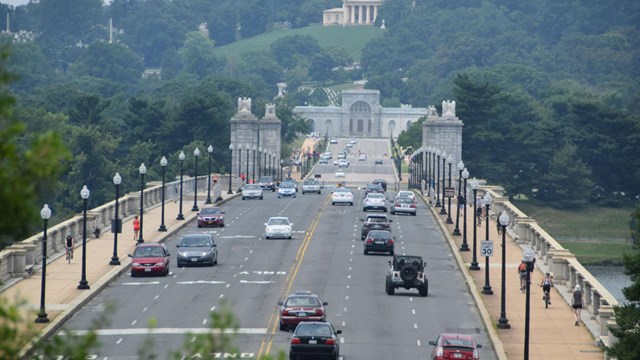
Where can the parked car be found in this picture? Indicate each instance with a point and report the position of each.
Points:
(343, 163)
(407, 271)
(403, 205)
(311, 186)
(278, 227)
(197, 249)
(342, 196)
(252, 191)
(267, 183)
(286, 189)
(315, 339)
(374, 222)
(150, 258)
(362, 157)
(455, 346)
(339, 173)
(375, 201)
(211, 216)
(379, 241)
(301, 306)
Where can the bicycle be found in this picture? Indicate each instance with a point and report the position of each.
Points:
(523, 283)
(547, 299)
(69, 254)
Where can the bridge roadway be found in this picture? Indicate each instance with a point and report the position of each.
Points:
(325, 256)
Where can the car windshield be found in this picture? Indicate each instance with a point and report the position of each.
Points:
(375, 196)
(302, 301)
(343, 190)
(251, 187)
(374, 186)
(287, 185)
(376, 219)
(195, 241)
(210, 211)
(311, 182)
(278, 222)
(148, 251)
(265, 179)
(457, 342)
(306, 329)
(379, 234)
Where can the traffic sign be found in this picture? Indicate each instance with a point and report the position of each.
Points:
(486, 248)
(449, 192)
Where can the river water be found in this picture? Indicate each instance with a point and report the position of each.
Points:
(612, 278)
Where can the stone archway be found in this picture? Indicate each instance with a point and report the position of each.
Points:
(360, 119)
(312, 125)
(392, 128)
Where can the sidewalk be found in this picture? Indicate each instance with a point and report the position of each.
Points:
(552, 332)
(62, 295)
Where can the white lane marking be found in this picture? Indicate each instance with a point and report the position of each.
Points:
(212, 308)
(345, 309)
(418, 342)
(166, 286)
(341, 340)
(204, 321)
(119, 341)
(350, 260)
(221, 296)
(411, 299)
(353, 246)
(250, 251)
(156, 297)
(346, 297)
(256, 282)
(200, 282)
(145, 309)
(413, 311)
(245, 259)
(349, 268)
(351, 252)
(228, 285)
(237, 237)
(344, 323)
(347, 286)
(349, 276)
(134, 322)
(142, 283)
(415, 326)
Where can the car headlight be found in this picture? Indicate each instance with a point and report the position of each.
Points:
(135, 264)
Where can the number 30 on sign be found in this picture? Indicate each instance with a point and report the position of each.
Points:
(486, 248)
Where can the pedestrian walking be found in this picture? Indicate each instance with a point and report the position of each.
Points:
(479, 213)
(577, 300)
(136, 228)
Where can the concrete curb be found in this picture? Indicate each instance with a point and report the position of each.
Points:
(99, 285)
(473, 289)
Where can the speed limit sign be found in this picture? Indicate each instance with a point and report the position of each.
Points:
(486, 248)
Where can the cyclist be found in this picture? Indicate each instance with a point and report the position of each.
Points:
(546, 284)
(69, 245)
(522, 270)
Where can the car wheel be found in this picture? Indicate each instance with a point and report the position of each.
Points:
(199, 226)
(289, 236)
(133, 274)
(243, 198)
(392, 212)
(364, 209)
(319, 193)
(215, 262)
(282, 326)
(351, 204)
(273, 190)
(332, 203)
(261, 197)
(391, 253)
(413, 214)
(166, 271)
(389, 286)
(384, 210)
(266, 237)
(366, 252)
(222, 225)
(424, 289)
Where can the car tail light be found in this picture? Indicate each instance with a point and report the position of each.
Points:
(295, 340)
(396, 204)
(413, 206)
(318, 311)
(369, 240)
(330, 342)
(390, 241)
(440, 351)
(475, 354)
(285, 312)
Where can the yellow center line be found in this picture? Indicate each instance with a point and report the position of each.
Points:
(286, 287)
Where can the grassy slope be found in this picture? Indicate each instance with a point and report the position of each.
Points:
(351, 38)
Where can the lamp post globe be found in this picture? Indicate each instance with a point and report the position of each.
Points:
(210, 152)
(163, 165)
(229, 191)
(116, 227)
(84, 194)
(465, 175)
(503, 322)
(474, 260)
(181, 157)
(45, 214)
(196, 153)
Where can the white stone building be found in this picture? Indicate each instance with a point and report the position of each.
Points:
(360, 115)
(353, 12)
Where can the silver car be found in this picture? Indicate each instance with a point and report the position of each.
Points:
(375, 201)
(311, 186)
(252, 191)
(403, 205)
(197, 249)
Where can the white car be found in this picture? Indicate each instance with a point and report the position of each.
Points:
(334, 140)
(343, 163)
(375, 201)
(278, 227)
(286, 189)
(335, 162)
(342, 196)
(362, 157)
(252, 191)
(339, 173)
(407, 194)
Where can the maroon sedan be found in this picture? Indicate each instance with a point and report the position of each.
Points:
(211, 216)
(150, 258)
(455, 346)
(299, 307)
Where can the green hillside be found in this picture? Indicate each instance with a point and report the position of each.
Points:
(351, 38)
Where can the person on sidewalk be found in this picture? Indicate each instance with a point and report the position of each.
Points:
(547, 284)
(522, 271)
(69, 245)
(136, 228)
(576, 303)
(479, 213)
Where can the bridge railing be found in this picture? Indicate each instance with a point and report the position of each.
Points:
(567, 271)
(17, 261)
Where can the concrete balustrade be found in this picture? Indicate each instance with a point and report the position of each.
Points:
(19, 260)
(561, 263)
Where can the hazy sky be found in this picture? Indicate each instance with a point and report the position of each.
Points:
(22, 2)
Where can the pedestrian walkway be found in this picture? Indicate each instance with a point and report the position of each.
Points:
(62, 295)
(552, 331)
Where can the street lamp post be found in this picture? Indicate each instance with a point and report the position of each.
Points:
(239, 148)
(143, 170)
(464, 246)
(163, 165)
(264, 163)
(449, 162)
(281, 166)
(253, 176)
(259, 159)
(181, 158)
(503, 322)
(45, 214)
(196, 153)
(528, 256)
(115, 260)
(486, 289)
(230, 167)
(443, 156)
(246, 177)
(210, 151)
(474, 260)
(433, 171)
(437, 166)
(84, 284)
(456, 231)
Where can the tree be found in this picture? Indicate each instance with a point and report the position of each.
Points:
(567, 182)
(115, 62)
(197, 55)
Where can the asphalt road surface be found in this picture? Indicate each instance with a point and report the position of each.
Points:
(325, 256)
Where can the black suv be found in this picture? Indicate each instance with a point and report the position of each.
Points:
(407, 271)
(267, 182)
(374, 222)
(381, 182)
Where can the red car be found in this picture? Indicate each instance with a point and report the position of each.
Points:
(301, 306)
(455, 346)
(150, 258)
(211, 216)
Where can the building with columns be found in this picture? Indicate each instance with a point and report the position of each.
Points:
(353, 12)
(360, 115)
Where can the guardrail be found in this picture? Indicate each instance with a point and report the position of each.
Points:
(561, 263)
(18, 261)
